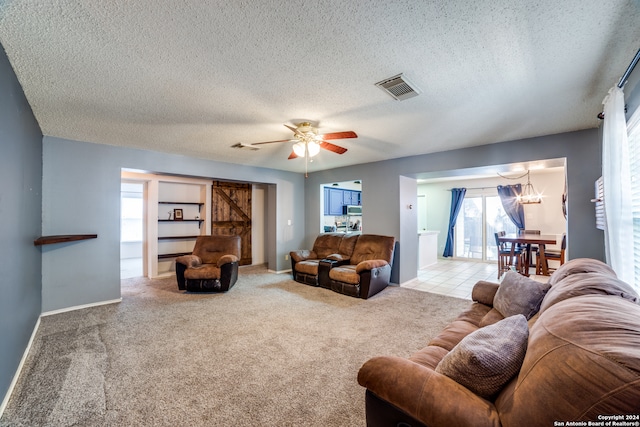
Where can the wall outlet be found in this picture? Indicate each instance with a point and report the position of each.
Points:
(286, 257)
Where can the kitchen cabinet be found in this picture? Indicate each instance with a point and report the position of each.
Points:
(336, 198)
(351, 197)
(335, 201)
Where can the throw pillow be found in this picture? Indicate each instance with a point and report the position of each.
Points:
(518, 294)
(486, 359)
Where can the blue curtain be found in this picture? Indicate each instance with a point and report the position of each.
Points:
(509, 198)
(457, 196)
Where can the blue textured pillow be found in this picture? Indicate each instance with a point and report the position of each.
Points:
(518, 294)
(486, 359)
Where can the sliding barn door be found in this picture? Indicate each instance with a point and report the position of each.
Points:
(231, 214)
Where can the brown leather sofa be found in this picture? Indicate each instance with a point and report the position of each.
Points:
(351, 264)
(212, 266)
(582, 360)
(304, 263)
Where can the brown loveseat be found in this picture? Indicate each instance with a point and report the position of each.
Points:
(212, 266)
(351, 264)
(579, 357)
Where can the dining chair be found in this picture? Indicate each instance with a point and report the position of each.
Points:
(505, 260)
(534, 248)
(552, 255)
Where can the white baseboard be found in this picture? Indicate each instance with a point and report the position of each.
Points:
(408, 282)
(279, 271)
(80, 307)
(14, 381)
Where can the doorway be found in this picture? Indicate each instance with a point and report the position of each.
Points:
(131, 229)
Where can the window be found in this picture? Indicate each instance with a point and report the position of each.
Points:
(480, 217)
(131, 204)
(634, 160)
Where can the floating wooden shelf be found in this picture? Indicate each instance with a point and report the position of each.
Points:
(48, 240)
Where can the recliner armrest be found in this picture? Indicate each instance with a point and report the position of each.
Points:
(370, 264)
(302, 254)
(226, 259)
(189, 260)
(426, 395)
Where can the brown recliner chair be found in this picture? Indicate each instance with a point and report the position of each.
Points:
(369, 268)
(212, 267)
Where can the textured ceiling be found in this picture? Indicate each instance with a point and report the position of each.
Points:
(195, 77)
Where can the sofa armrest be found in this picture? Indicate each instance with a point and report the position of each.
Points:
(226, 259)
(189, 260)
(432, 398)
(302, 254)
(370, 264)
(483, 292)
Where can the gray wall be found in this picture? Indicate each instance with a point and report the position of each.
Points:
(20, 207)
(384, 190)
(81, 194)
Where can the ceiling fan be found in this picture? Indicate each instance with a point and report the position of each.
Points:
(308, 141)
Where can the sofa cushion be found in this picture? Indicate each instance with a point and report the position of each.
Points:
(345, 274)
(493, 316)
(371, 246)
(204, 271)
(583, 361)
(327, 244)
(308, 267)
(453, 333)
(518, 294)
(347, 244)
(578, 284)
(211, 248)
(485, 360)
(580, 265)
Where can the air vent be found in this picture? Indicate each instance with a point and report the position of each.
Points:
(242, 146)
(399, 87)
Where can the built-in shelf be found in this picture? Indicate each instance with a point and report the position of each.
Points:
(181, 203)
(166, 256)
(176, 237)
(49, 240)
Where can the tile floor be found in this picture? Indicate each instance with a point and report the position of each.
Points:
(456, 277)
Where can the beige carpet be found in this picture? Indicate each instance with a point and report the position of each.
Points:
(270, 352)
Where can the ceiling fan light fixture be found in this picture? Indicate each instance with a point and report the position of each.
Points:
(313, 147)
(299, 149)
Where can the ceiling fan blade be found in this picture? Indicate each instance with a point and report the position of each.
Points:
(332, 147)
(292, 156)
(339, 135)
(294, 130)
(271, 142)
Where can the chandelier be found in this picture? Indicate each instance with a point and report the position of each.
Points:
(529, 195)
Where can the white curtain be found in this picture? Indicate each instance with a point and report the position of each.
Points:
(616, 178)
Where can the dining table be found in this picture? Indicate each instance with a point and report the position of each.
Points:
(527, 240)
